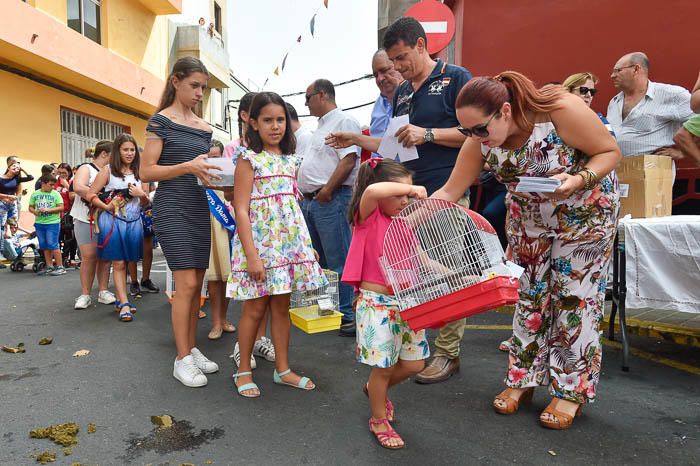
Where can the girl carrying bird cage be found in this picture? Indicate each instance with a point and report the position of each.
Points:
(384, 340)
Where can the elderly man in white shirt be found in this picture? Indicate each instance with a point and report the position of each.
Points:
(645, 115)
(325, 179)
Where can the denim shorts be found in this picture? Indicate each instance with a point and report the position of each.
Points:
(48, 235)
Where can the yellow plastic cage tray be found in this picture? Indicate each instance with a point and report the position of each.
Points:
(304, 307)
(308, 319)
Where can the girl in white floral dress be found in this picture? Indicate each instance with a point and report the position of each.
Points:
(271, 253)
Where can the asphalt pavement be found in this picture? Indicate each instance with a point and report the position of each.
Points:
(650, 415)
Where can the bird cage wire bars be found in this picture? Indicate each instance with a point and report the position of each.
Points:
(311, 297)
(434, 247)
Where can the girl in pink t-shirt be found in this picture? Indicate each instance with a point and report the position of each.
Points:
(384, 340)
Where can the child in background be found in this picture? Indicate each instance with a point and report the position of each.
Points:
(384, 340)
(120, 235)
(19, 238)
(271, 250)
(47, 205)
(219, 260)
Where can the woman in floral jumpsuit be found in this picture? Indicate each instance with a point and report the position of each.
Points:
(562, 239)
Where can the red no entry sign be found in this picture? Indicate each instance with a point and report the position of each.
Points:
(438, 21)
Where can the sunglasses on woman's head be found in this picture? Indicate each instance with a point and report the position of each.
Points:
(480, 131)
(583, 90)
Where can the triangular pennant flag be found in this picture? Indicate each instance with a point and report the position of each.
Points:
(277, 71)
(299, 39)
(284, 61)
(313, 25)
(325, 3)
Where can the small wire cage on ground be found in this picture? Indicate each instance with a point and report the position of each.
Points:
(444, 262)
(317, 310)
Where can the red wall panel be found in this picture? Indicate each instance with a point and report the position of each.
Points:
(547, 40)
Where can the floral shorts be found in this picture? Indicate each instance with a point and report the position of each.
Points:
(383, 337)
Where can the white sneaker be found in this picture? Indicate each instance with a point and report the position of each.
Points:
(188, 373)
(204, 364)
(237, 357)
(106, 297)
(264, 348)
(83, 301)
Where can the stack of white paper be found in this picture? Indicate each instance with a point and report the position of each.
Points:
(536, 184)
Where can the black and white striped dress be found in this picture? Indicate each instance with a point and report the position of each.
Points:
(180, 210)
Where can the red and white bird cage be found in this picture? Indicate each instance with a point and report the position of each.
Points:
(444, 262)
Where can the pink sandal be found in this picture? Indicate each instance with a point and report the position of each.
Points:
(384, 437)
(389, 405)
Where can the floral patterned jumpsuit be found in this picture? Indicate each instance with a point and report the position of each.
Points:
(565, 247)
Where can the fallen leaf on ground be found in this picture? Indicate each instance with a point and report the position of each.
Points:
(62, 434)
(46, 341)
(552, 452)
(92, 428)
(14, 349)
(164, 421)
(45, 457)
(81, 353)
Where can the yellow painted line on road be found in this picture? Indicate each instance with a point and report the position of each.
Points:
(654, 358)
(613, 344)
(488, 327)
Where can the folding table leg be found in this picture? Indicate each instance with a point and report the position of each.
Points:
(615, 290)
(623, 319)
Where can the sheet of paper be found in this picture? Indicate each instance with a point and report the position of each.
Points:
(390, 147)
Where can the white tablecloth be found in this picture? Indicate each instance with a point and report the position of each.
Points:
(663, 262)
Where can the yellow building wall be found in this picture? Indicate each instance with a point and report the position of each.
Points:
(56, 8)
(158, 49)
(135, 33)
(31, 126)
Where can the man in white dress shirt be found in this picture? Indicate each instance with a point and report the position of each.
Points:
(325, 179)
(645, 115)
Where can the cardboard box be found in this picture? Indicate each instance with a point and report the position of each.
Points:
(646, 186)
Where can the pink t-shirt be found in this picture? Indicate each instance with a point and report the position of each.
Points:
(230, 148)
(362, 263)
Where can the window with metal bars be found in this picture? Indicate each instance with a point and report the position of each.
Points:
(80, 132)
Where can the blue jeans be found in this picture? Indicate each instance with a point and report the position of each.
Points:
(495, 212)
(8, 250)
(330, 234)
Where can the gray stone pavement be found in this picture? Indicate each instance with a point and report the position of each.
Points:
(647, 416)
